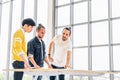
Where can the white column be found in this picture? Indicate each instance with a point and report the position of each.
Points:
(89, 39)
(111, 61)
(22, 9)
(51, 20)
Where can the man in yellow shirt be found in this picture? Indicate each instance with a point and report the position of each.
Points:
(19, 55)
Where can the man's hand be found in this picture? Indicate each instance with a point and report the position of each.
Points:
(67, 66)
(49, 66)
(27, 66)
(36, 66)
(50, 58)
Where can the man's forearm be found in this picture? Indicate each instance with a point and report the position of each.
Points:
(68, 58)
(32, 61)
(46, 61)
(50, 47)
(25, 61)
(23, 58)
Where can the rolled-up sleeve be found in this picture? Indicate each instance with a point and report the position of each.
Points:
(30, 49)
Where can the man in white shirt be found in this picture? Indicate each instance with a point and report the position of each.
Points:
(62, 54)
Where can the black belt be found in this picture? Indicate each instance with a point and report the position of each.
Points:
(19, 61)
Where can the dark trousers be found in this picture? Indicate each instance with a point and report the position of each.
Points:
(39, 77)
(61, 77)
(18, 65)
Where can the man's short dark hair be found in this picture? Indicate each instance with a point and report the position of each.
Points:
(40, 26)
(68, 28)
(28, 21)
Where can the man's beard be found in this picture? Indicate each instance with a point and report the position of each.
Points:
(64, 39)
(40, 37)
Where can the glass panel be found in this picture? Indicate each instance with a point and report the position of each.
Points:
(115, 8)
(4, 38)
(42, 15)
(29, 9)
(61, 2)
(63, 16)
(100, 33)
(99, 9)
(81, 12)
(116, 57)
(116, 31)
(16, 20)
(42, 12)
(80, 58)
(117, 76)
(82, 39)
(59, 30)
(100, 58)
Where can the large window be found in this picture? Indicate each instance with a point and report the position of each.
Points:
(99, 9)
(100, 33)
(95, 33)
(115, 7)
(20, 9)
(100, 57)
(80, 35)
(64, 14)
(29, 9)
(80, 12)
(81, 54)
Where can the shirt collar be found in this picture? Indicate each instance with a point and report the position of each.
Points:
(22, 30)
(38, 39)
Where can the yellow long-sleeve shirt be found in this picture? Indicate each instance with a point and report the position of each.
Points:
(18, 45)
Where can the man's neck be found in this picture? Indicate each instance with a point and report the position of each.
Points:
(39, 38)
(23, 29)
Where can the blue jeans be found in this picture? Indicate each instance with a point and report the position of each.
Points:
(18, 65)
(61, 77)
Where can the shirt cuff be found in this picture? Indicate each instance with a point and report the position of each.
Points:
(20, 53)
(30, 55)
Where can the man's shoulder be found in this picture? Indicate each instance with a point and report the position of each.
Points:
(18, 33)
(58, 36)
(32, 40)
